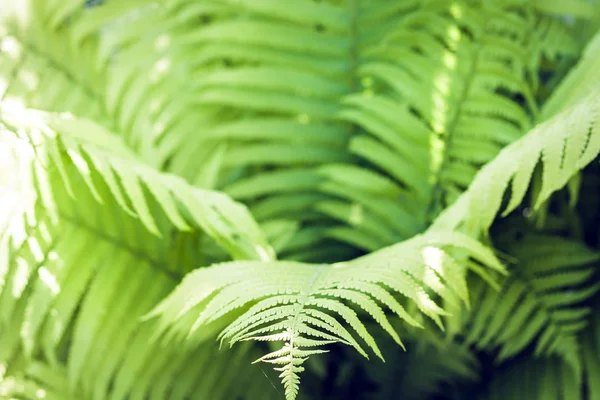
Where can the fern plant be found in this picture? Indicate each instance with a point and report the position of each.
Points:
(286, 177)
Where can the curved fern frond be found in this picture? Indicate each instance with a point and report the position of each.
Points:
(365, 111)
(542, 301)
(87, 148)
(308, 306)
(74, 283)
(562, 145)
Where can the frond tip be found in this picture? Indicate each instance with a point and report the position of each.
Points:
(565, 143)
(308, 306)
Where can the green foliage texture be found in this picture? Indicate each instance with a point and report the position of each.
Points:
(191, 187)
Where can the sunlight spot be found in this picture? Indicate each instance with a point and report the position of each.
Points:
(338, 265)
(162, 65)
(440, 107)
(454, 35)
(160, 68)
(439, 113)
(80, 163)
(425, 301)
(456, 10)
(6, 165)
(11, 46)
(29, 79)
(156, 104)
(442, 84)
(44, 232)
(433, 258)
(440, 103)
(304, 119)
(158, 130)
(16, 190)
(3, 86)
(356, 214)
(263, 253)
(162, 42)
(22, 11)
(49, 280)
(437, 146)
(21, 277)
(40, 393)
(450, 60)
(36, 249)
(431, 279)
(13, 102)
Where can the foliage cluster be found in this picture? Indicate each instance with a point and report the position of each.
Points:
(417, 180)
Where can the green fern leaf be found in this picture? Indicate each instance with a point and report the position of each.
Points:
(564, 144)
(79, 309)
(61, 57)
(307, 306)
(358, 90)
(541, 302)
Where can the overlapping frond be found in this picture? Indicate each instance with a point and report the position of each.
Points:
(562, 145)
(345, 125)
(111, 64)
(544, 379)
(60, 142)
(95, 239)
(338, 134)
(308, 306)
(541, 302)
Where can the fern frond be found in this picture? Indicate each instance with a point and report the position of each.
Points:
(543, 301)
(309, 306)
(590, 352)
(88, 249)
(89, 147)
(108, 63)
(563, 145)
(577, 84)
(366, 111)
(543, 379)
